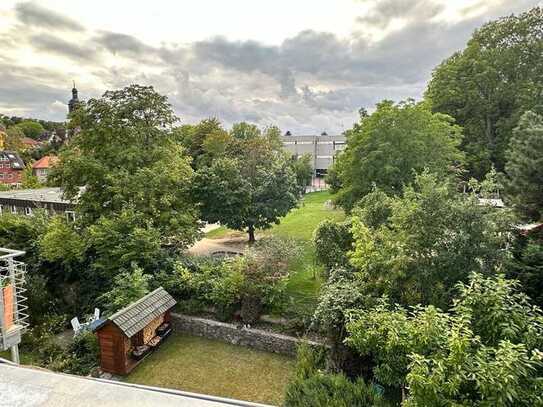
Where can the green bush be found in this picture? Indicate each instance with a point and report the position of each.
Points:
(82, 355)
(332, 243)
(331, 390)
(251, 282)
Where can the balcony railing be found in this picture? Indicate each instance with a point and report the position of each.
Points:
(13, 308)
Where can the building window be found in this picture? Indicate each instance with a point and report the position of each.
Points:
(1, 175)
(28, 211)
(13, 209)
(70, 216)
(9, 176)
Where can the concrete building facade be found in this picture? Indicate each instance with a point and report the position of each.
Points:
(323, 149)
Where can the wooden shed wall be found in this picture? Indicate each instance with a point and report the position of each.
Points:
(113, 349)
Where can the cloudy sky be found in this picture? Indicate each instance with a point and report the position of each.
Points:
(305, 65)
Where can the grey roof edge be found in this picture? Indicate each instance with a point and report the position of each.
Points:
(198, 396)
(151, 389)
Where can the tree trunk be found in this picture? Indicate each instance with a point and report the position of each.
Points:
(251, 231)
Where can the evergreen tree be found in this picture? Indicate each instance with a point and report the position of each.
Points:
(524, 167)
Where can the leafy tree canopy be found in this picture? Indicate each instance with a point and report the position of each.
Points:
(487, 86)
(524, 167)
(386, 149)
(125, 156)
(127, 288)
(484, 351)
(250, 187)
(432, 238)
(31, 128)
(303, 171)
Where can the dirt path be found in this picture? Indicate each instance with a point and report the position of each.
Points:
(207, 246)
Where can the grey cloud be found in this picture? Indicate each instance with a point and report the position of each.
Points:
(23, 94)
(243, 55)
(34, 15)
(122, 43)
(59, 46)
(386, 10)
(310, 82)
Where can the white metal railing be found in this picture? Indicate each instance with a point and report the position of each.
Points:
(13, 308)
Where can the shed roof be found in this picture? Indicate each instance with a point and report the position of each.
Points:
(137, 315)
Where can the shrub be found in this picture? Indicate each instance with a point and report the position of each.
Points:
(332, 243)
(82, 354)
(331, 390)
(127, 288)
(265, 270)
(527, 266)
(484, 352)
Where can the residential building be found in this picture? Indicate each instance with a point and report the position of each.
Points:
(323, 149)
(43, 166)
(11, 168)
(26, 201)
(30, 143)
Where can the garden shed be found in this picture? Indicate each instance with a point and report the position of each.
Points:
(127, 336)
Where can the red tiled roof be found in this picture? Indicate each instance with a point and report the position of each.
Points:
(45, 162)
(30, 142)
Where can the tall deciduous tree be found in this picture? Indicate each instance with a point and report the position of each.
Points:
(251, 187)
(432, 239)
(202, 141)
(487, 86)
(303, 170)
(125, 156)
(524, 167)
(31, 128)
(388, 147)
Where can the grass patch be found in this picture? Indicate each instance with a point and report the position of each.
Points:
(222, 231)
(299, 224)
(211, 367)
(26, 357)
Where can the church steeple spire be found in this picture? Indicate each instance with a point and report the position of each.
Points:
(74, 101)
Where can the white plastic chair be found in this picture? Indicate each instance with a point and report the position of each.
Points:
(76, 326)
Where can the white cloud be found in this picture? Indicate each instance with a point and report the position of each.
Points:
(304, 65)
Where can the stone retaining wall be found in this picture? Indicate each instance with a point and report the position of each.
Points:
(236, 335)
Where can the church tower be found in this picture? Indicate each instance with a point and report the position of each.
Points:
(74, 101)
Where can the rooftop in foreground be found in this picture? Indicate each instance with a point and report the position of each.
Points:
(23, 386)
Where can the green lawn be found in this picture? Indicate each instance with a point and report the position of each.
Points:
(299, 224)
(212, 367)
(25, 357)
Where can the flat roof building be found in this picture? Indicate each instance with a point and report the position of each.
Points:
(323, 149)
(25, 201)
